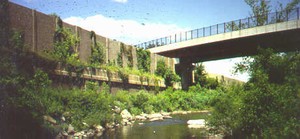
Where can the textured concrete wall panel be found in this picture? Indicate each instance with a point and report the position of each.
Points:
(126, 54)
(85, 45)
(45, 31)
(69, 26)
(153, 62)
(134, 57)
(39, 30)
(21, 19)
(113, 50)
(101, 39)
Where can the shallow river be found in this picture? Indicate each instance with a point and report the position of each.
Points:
(175, 128)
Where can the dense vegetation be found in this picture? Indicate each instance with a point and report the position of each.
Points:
(203, 80)
(27, 92)
(268, 105)
(164, 71)
(93, 105)
(97, 51)
(143, 59)
(265, 107)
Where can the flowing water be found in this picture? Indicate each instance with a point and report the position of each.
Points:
(175, 128)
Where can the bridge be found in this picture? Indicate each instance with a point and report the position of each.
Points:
(278, 30)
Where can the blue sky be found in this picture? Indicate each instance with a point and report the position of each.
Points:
(136, 21)
(184, 13)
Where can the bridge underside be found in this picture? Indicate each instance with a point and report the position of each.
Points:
(282, 37)
(282, 41)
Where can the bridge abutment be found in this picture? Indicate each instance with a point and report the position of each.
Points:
(185, 70)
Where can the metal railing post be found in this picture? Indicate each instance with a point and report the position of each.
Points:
(224, 28)
(298, 13)
(180, 37)
(240, 24)
(203, 32)
(217, 28)
(166, 40)
(276, 18)
(267, 21)
(287, 15)
(198, 33)
(248, 22)
(175, 38)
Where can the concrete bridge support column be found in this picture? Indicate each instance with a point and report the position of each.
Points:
(185, 70)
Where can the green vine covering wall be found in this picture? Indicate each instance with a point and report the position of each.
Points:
(143, 59)
(98, 51)
(129, 57)
(65, 45)
(124, 52)
(120, 56)
(65, 49)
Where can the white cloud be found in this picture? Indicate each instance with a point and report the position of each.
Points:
(127, 31)
(120, 1)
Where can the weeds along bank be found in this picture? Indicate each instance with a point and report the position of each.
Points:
(31, 107)
(93, 106)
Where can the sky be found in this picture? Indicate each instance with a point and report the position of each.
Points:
(137, 21)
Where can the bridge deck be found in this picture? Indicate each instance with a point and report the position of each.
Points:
(279, 30)
(284, 36)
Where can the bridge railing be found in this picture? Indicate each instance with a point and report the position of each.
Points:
(249, 22)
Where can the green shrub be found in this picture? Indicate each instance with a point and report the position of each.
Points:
(123, 100)
(264, 107)
(164, 71)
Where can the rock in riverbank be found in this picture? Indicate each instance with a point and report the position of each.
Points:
(200, 123)
(126, 114)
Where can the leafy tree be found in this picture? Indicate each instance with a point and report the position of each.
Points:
(202, 79)
(164, 71)
(212, 83)
(260, 10)
(268, 104)
(233, 26)
(200, 75)
(272, 100)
